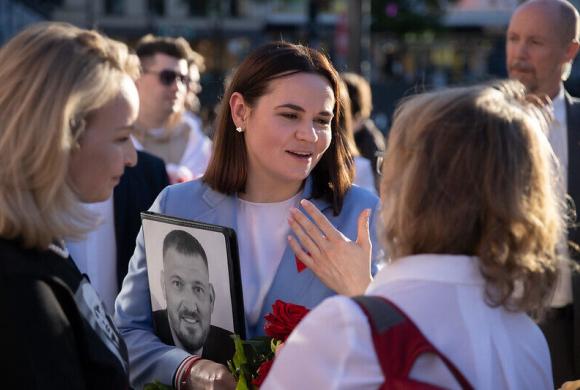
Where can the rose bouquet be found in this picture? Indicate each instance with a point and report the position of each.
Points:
(253, 358)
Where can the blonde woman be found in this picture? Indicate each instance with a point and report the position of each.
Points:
(67, 104)
(471, 221)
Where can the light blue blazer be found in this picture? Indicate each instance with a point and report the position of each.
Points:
(149, 358)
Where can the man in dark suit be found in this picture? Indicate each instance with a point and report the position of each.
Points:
(190, 298)
(542, 42)
(136, 192)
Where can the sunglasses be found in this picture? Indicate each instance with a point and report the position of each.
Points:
(167, 77)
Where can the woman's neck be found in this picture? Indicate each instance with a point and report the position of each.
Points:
(260, 191)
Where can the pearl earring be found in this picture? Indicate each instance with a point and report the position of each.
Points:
(239, 129)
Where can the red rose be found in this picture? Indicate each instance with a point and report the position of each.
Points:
(262, 372)
(283, 319)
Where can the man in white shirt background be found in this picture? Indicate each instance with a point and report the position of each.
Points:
(541, 43)
(164, 126)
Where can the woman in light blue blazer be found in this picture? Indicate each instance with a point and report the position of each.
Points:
(277, 150)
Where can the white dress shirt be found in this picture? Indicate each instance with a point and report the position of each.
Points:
(443, 294)
(96, 255)
(196, 154)
(199, 147)
(558, 138)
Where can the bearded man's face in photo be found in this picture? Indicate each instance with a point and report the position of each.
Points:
(190, 297)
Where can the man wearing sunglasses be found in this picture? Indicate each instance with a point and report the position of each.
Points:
(163, 128)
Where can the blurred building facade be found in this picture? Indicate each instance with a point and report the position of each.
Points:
(223, 30)
(467, 45)
(14, 16)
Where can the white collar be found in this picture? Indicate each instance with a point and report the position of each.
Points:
(59, 248)
(559, 105)
(459, 269)
(138, 145)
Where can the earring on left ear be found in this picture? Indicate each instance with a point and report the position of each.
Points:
(239, 129)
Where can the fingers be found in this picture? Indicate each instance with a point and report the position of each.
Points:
(539, 100)
(571, 385)
(300, 253)
(305, 246)
(316, 235)
(363, 236)
(342, 265)
(321, 221)
(308, 233)
(226, 381)
(206, 374)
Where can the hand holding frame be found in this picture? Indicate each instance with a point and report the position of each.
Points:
(208, 375)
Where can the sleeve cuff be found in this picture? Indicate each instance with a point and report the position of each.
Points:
(182, 373)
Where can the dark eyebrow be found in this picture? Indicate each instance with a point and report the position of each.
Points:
(291, 106)
(298, 108)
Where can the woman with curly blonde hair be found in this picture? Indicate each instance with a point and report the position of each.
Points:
(471, 221)
(67, 104)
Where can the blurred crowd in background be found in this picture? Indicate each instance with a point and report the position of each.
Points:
(399, 46)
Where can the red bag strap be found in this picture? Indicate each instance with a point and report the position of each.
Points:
(399, 343)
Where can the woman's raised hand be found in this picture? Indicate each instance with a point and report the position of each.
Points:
(341, 264)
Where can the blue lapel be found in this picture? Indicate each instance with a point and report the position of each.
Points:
(217, 208)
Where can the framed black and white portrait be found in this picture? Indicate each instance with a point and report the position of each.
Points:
(195, 285)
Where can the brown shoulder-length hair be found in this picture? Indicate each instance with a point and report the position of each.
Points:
(228, 169)
(470, 171)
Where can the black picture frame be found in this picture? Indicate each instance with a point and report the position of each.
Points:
(220, 246)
